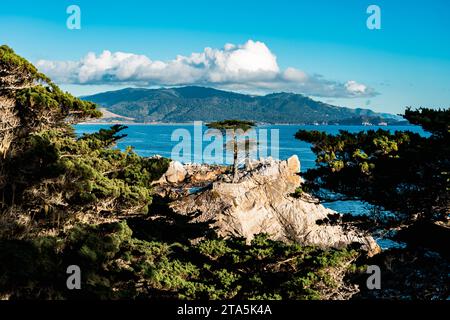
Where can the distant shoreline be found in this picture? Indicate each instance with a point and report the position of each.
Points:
(259, 124)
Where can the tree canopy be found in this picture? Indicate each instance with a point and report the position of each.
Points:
(400, 171)
(234, 126)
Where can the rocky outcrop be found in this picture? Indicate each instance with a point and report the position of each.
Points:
(190, 174)
(176, 172)
(262, 202)
(203, 173)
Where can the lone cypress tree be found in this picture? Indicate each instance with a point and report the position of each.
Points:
(233, 126)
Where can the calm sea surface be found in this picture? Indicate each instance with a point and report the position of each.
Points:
(157, 139)
(149, 140)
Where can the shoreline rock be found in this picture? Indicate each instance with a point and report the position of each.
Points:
(262, 202)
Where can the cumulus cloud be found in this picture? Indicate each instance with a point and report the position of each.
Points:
(249, 67)
(355, 87)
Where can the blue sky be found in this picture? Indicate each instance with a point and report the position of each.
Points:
(322, 48)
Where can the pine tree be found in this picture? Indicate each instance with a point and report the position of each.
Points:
(233, 126)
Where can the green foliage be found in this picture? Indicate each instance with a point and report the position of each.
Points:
(105, 137)
(52, 176)
(231, 125)
(400, 171)
(116, 265)
(298, 192)
(435, 121)
(38, 103)
(11, 61)
(48, 106)
(86, 174)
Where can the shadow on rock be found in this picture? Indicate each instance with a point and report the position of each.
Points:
(163, 224)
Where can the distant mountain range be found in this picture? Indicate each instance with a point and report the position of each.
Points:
(192, 103)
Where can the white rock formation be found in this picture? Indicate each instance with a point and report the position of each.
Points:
(176, 172)
(262, 202)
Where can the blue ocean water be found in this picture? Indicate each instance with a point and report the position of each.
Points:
(156, 139)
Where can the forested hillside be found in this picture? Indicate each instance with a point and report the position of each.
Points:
(206, 104)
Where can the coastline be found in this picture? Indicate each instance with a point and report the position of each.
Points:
(259, 124)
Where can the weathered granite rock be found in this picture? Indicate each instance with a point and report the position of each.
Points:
(199, 173)
(293, 164)
(176, 172)
(261, 202)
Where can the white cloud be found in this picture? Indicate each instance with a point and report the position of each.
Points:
(294, 75)
(355, 87)
(249, 67)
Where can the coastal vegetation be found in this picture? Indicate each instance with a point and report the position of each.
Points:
(406, 174)
(77, 200)
(68, 200)
(401, 171)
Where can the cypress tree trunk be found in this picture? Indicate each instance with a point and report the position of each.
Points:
(248, 163)
(235, 159)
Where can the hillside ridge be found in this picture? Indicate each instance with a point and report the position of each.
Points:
(191, 103)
